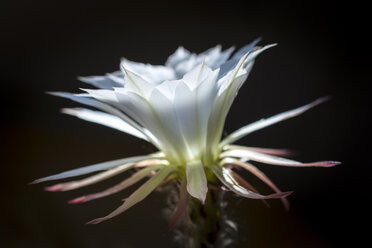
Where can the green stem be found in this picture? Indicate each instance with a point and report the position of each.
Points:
(203, 221)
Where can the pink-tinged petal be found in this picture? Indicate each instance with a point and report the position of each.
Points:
(140, 194)
(270, 151)
(246, 185)
(90, 180)
(78, 200)
(224, 175)
(57, 187)
(181, 206)
(243, 131)
(94, 168)
(136, 177)
(269, 159)
(324, 163)
(255, 171)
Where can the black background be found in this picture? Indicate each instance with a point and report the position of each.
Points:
(323, 50)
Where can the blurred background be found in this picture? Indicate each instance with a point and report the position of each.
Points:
(323, 50)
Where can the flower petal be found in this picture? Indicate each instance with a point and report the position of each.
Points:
(140, 194)
(182, 61)
(255, 171)
(99, 105)
(246, 185)
(245, 49)
(269, 159)
(103, 82)
(233, 62)
(153, 74)
(136, 177)
(196, 180)
(179, 55)
(270, 151)
(90, 180)
(136, 83)
(243, 131)
(104, 119)
(221, 107)
(95, 167)
(224, 175)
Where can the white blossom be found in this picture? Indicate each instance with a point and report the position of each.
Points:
(181, 109)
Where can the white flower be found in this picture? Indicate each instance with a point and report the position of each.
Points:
(181, 109)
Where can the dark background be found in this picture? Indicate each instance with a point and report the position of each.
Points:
(323, 50)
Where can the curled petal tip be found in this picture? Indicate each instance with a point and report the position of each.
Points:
(285, 194)
(78, 200)
(281, 195)
(95, 221)
(333, 163)
(57, 187)
(327, 163)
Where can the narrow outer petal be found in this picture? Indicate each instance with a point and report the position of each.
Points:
(95, 167)
(136, 177)
(243, 131)
(224, 175)
(255, 171)
(140, 194)
(92, 179)
(270, 159)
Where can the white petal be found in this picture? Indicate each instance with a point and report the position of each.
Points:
(185, 110)
(243, 131)
(179, 55)
(166, 121)
(154, 74)
(220, 109)
(221, 59)
(104, 119)
(118, 79)
(183, 61)
(196, 180)
(186, 65)
(197, 75)
(168, 88)
(136, 83)
(214, 58)
(110, 97)
(103, 95)
(233, 62)
(245, 49)
(143, 111)
(193, 108)
(103, 82)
